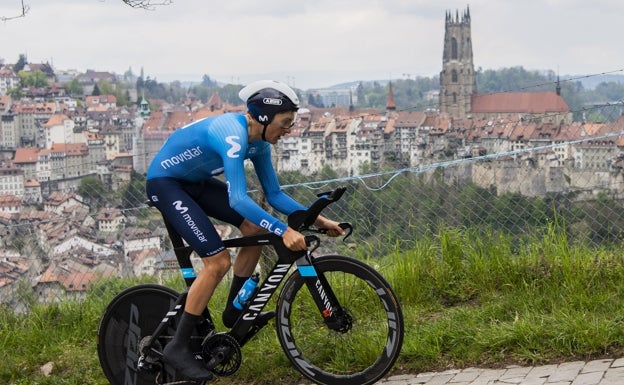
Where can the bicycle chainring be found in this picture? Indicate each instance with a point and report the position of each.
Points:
(149, 358)
(222, 354)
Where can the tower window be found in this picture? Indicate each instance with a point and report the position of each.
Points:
(454, 76)
(454, 97)
(453, 48)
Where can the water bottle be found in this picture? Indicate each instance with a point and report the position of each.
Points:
(246, 292)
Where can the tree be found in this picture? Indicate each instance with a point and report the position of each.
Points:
(147, 4)
(134, 193)
(35, 79)
(21, 63)
(207, 82)
(361, 95)
(326, 173)
(140, 83)
(15, 93)
(105, 88)
(144, 4)
(610, 91)
(22, 13)
(74, 87)
(91, 189)
(229, 93)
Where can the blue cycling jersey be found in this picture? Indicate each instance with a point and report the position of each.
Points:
(217, 145)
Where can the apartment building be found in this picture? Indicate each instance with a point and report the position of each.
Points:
(8, 80)
(11, 180)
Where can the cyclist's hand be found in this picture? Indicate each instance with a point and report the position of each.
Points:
(332, 227)
(294, 240)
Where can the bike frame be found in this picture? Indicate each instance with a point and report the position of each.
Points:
(245, 327)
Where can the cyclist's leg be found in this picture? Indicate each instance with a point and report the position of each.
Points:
(212, 196)
(244, 266)
(190, 221)
(248, 257)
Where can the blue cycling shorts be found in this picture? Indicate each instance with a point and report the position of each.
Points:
(187, 206)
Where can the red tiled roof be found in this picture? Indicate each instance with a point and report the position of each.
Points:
(100, 99)
(215, 101)
(25, 155)
(56, 120)
(70, 148)
(410, 119)
(519, 102)
(177, 119)
(107, 214)
(9, 201)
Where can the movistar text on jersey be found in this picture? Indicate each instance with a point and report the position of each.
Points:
(182, 157)
(191, 223)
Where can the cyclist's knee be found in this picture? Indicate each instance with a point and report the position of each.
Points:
(248, 228)
(219, 263)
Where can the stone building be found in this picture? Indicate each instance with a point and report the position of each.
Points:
(458, 85)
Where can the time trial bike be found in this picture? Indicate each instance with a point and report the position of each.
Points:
(337, 319)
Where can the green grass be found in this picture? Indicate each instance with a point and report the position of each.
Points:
(469, 299)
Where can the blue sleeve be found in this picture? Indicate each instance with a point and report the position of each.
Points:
(233, 150)
(270, 184)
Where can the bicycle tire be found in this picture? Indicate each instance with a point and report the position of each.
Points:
(132, 314)
(360, 356)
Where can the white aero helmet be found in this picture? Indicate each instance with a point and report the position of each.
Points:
(266, 98)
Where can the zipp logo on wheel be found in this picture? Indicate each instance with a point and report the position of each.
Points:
(132, 351)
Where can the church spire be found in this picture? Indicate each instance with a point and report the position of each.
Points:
(390, 105)
(144, 109)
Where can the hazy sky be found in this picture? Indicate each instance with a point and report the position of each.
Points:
(310, 43)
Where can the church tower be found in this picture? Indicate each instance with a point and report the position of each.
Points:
(458, 80)
(390, 104)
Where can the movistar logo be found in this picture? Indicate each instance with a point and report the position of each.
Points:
(272, 101)
(236, 147)
(182, 157)
(178, 206)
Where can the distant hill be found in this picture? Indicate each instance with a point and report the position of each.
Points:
(590, 82)
(364, 83)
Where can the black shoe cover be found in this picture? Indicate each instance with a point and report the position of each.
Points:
(181, 358)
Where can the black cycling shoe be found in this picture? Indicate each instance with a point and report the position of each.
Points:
(181, 358)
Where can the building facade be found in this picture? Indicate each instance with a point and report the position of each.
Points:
(458, 80)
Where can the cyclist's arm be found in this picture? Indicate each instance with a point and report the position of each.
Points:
(234, 170)
(279, 200)
(333, 228)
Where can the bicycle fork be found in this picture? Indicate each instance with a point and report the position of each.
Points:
(330, 309)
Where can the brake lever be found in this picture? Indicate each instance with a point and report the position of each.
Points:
(314, 241)
(348, 228)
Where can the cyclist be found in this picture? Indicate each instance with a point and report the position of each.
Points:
(182, 184)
